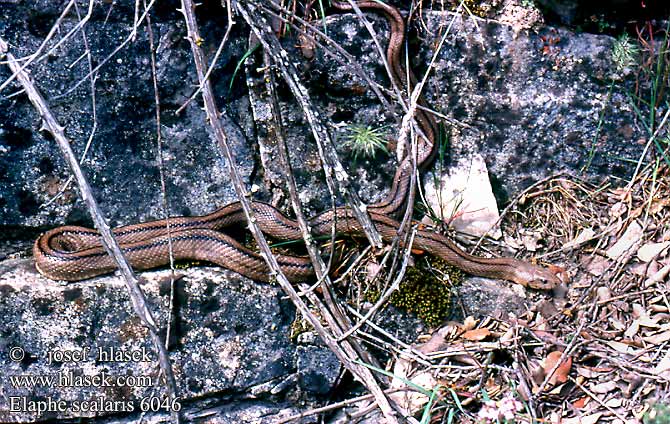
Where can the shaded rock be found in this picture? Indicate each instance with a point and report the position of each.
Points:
(481, 297)
(318, 369)
(230, 335)
(121, 162)
(250, 412)
(616, 13)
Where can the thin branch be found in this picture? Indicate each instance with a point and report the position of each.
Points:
(118, 48)
(231, 22)
(331, 164)
(161, 174)
(380, 50)
(343, 351)
(112, 248)
(349, 60)
(94, 111)
(334, 314)
(337, 405)
(320, 267)
(387, 294)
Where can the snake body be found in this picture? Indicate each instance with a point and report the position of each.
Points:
(74, 253)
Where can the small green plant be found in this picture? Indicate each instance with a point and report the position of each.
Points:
(654, 72)
(625, 53)
(365, 141)
(239, 64)
(435, 397)
(659, 414)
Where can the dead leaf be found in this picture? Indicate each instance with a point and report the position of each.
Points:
(581, 402)
(617, 324)
(657, 205)
(588, 372)
(621, 347)
(614, 402)
(628, 239)
(634, 382)
(585, 235)
(659, 338)
(477, 334)
(531, 240)
(373, 270)
(603, 388)
(508, 337)
(644, 269)
(618, 209)
(639, 310)
(469, 323)
(597, 265)
(649, 251)
(632, 330)
(561, 374)
(603, 293)
(657, 277)
(649, 322)
(664, 364)
(547, 309)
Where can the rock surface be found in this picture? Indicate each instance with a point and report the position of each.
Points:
(122, 162)
(462, 197)
(229, 341)
(530, 109)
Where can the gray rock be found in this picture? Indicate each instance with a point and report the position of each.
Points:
(318, 369)
(530, 114)
(230, 335)
(530, 111)
(122, 164)
(481, 297)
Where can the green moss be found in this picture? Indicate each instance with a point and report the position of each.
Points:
(659, 414)
(426, 290)
(299, 326)
(478, 7)
(187, 263)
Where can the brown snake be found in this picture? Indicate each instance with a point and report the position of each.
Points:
(75, 253)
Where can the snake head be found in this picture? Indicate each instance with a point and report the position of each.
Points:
(537, 277)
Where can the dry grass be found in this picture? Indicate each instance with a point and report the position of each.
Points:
(593, 351)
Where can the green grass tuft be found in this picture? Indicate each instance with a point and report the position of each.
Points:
(365, 141)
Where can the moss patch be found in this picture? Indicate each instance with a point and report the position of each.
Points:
(426, 290)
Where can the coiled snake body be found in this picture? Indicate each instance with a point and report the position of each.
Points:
(75, 253)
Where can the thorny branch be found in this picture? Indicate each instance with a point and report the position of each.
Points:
(343, 351)
(342, 57)
(109, 243)
(330, 161)
(161, 174)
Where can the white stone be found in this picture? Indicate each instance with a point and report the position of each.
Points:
(463, 197)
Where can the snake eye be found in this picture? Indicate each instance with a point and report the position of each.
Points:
(546, 279)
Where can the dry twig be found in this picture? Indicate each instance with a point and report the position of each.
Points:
(343, 351)
(112, 248)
